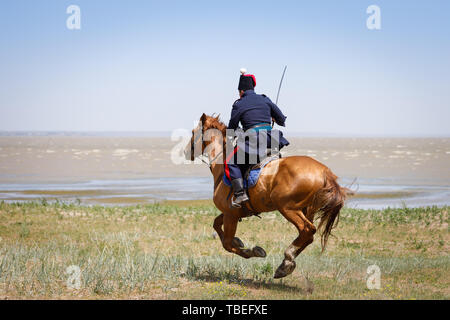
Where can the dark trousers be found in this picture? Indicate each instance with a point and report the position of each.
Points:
(238, 162)
(249, 151)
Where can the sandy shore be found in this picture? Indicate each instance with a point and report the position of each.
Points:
(68, 159)
(131, 166)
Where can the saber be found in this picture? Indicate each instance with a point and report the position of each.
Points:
(279, 88)
(281, 82)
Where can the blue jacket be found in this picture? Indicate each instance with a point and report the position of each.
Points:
(253, 109)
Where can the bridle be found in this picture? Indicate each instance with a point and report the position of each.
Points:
(210, 161)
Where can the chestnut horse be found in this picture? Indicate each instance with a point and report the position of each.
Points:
(299, 187)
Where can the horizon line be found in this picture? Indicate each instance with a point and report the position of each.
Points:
(158, 133)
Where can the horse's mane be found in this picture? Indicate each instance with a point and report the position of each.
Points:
(213, 122)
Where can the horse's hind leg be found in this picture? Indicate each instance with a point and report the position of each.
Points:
(306, 232)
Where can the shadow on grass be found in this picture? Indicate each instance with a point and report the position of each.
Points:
(270, 284)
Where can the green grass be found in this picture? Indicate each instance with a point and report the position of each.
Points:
(169, 251)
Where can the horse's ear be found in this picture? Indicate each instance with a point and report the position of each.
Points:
(203, 118)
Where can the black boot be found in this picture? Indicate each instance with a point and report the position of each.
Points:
(240, 195)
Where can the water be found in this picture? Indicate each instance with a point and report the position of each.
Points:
(379, 196)
(122, 170)
(370, 196)
(94, 191)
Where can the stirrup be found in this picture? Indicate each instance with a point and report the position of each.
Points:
(235, 204)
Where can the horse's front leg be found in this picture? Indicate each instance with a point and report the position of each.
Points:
(218, 223)
(234, 244)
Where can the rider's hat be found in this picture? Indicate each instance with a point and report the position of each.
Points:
(246, 81)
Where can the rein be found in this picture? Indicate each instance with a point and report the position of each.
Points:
(210, 161)
(214, 159)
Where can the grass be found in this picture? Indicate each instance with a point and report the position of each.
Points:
(169, 251)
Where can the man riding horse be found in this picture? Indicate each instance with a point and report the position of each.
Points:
(254, 112)
(301, 188)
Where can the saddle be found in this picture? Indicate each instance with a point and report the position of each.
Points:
(252, 174)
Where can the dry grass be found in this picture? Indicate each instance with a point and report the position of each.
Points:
(169, 251)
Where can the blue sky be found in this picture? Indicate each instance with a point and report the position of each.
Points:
(157, 65)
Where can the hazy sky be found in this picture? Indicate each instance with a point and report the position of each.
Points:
(157, 65)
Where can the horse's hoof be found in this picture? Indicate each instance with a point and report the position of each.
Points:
(285, 269)
(259, 252)
(237, 243)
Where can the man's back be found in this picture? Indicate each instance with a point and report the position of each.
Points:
(253, 109)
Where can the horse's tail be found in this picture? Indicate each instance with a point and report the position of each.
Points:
(327, 204)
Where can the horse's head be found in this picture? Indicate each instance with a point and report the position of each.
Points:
(203, 134)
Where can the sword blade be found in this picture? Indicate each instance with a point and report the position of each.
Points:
(281, 82)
